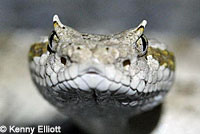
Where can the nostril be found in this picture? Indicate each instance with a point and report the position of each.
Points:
(126, 62)
(78, 48)
(107, 48)
(63, 60)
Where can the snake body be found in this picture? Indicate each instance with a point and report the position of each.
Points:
(105, 74)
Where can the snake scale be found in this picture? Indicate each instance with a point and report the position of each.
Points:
(90, 76)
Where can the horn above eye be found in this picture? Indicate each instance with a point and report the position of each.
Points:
(141, 45)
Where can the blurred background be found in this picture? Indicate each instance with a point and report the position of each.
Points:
(175, 23)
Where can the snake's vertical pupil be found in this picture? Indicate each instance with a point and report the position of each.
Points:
(49, 49)
(51, 37)
(144, 43)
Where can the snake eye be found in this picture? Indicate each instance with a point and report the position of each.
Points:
(53, 39)
(142, 45)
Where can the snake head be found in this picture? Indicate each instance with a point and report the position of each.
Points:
(114, 58)
(105, 49)
(120, 69)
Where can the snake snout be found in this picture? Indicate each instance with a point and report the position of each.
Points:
(91, 69)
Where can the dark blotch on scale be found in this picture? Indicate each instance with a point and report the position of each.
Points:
(126, 62)
(63, 60)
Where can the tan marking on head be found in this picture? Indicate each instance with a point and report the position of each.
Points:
(37, 49)
(164, 57)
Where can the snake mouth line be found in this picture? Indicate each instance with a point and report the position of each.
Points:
(89, 77)
(92, 72)
(93, 80)
(101, 78)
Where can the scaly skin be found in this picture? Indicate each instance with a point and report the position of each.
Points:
(100, 75)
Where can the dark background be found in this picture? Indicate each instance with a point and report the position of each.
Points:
(180, 17)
